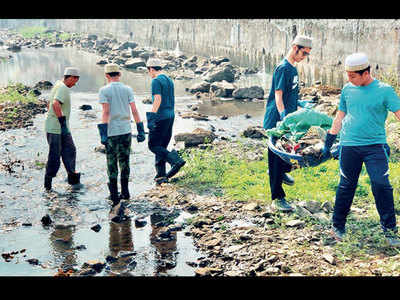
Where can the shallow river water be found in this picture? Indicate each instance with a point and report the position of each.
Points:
(70, 241)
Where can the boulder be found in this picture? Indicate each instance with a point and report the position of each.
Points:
(220, 73)
(222, 88)
(248, 93)
(13, 47)
(126, 45)
(202, 87)
(219, 59)
(255, 132)
(134, 63)
(197, 137)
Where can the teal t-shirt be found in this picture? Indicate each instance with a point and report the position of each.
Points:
(164, 86)
(285, 78)
(366, 109)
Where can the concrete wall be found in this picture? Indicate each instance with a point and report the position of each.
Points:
(245, 40)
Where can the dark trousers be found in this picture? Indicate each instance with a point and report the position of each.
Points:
(60, 146)
(159, 139)
(277, 169)
(118, 149)
(375, 158)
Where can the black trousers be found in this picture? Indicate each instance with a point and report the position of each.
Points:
(375, 158)
(277, 169)
(60, 146)
(159, 139)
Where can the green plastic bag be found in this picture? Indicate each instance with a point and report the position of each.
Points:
(295, 125)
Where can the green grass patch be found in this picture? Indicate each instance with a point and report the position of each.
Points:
(40, 32)
(16, 92)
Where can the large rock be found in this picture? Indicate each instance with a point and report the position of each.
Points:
(220, 73)
(134, 63)
(222, 88)
(197, 137)
(255, 132)
(202, 87)
(13, 47)
(248, 93)
(125, 45)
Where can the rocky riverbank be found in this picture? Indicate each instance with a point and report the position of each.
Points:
(19, 114)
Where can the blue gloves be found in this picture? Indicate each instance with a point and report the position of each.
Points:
(151, 120)
(282, 114)
(326, 152)
(103, 132)
(63, 123)
(306, 103)
(140, 129)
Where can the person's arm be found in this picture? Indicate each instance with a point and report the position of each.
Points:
(106, 112)
(135, 112)
(156, 103)
(57, 108)
(397, 114)
(337, 122)
(279, 101)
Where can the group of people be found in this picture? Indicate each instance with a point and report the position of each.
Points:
(360, 120)
(118, 102)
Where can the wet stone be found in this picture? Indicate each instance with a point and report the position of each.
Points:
(96, 228)
(46, 220)
(33, 261)
(140, 223)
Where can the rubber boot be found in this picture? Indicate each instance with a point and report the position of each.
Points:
(161, 173)
(74, 178)
(176, 163)
(113, 187)
(124, 189)
(47, 182)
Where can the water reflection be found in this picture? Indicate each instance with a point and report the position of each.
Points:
(121, 247)
(61, 239)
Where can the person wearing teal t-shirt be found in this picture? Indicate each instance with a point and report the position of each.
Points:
(160, 121)
(363, 109)
(282, 100)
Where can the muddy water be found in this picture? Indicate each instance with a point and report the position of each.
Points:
(70, 241)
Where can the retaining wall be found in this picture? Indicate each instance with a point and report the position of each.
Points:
(252, 42)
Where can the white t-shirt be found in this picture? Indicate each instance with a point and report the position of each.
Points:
(118, 95)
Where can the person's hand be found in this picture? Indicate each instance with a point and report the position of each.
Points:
(103, 132)
(151, 120)
(326, 151)
(141, 135)
(282, 114)
(63, 123)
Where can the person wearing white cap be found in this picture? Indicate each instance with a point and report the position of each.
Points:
(58, 132)
(360, 120)
(160, 122)
(118, 102)
(282, 100)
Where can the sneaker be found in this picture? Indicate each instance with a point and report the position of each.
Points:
(160, 180)
(392, 238)
(287, 179)
(338, 234)
(282, 205)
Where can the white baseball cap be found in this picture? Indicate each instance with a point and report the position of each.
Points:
(153, 62)
(71, 71)
(111, 68)
(302, 40)
(356, 62)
